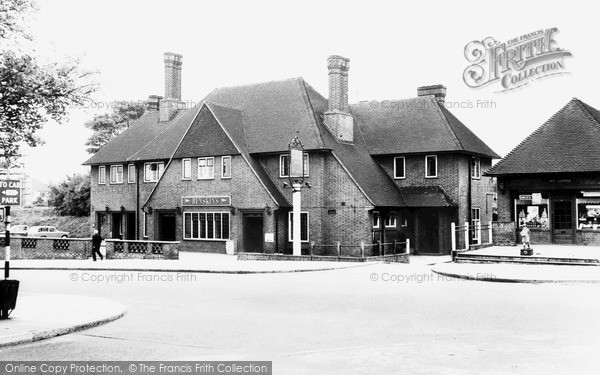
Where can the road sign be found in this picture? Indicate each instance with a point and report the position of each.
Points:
(10, 192)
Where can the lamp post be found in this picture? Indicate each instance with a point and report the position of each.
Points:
(296, 173)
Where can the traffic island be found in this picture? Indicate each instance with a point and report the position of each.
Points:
(34, 320)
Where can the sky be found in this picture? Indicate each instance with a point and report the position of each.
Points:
(394, 47)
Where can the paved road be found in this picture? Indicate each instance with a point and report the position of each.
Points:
(334, 322)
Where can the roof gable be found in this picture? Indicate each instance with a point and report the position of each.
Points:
(205, 137)
(565, 143)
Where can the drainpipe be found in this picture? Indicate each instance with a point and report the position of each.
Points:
(137, 202)
(469, 195)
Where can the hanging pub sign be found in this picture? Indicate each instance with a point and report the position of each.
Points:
(208, 201)
(296, 163)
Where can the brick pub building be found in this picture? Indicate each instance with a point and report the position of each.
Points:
(213, 176)
(551, 181)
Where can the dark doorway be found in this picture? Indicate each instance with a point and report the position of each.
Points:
(117, 226)
(253, 233)
(130, 228)
(167, 226)
(562, 221)
(429, 232)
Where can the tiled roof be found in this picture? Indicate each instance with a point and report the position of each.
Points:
(426, 196)
(416, 125)
(273, 113)
(567, 142)
(146, 139)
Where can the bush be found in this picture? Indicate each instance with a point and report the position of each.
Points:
(71, 196)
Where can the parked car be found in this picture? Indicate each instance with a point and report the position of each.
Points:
(19, 230)
(16, 231)
(46, 231)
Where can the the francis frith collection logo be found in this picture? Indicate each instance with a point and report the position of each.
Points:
(514, 63)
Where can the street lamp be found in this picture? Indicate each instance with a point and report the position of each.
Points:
(296, 173)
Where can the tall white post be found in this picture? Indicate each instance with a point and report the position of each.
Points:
(490, 239)
(466, 235)
(478, 232)
(453, 235)
(296, 204)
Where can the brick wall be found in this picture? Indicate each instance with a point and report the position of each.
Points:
(338, 210)
(589, 238)
(504, 233)
(46, 248)
(246, 191)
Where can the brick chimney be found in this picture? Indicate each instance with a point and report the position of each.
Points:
(437, 91)
(172, 101)
(338, 119)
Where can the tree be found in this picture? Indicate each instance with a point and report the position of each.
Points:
(71, 196)
(31, 93)
(107, 126)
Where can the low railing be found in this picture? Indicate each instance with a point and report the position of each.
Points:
(474, 234)
(121, 249)
(361, 250)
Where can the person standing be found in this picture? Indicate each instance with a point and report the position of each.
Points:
(96, 242)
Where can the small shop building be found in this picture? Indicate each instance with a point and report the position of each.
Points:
(550, 182)
(215, 176)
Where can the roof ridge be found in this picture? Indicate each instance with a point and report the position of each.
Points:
(223, 105)
(311, 108)
(457, 140)
(535, 132)
(170, 123)
(583, 106)
(256, 83)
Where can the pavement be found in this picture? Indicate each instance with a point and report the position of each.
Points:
(527, 273)
(42, 316)
(187, 262)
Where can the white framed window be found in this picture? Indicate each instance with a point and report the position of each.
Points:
(225, 166)
(153, 171)
(376, 219)
(399, 167)
(303, 226)
(131, 174)
(431, 166)
(116, 174)
(206, 226)
(284, 165)
(102, 175)
(475, 219)
(206, 168)
(390, 220)
(186, 169)
(476, 168)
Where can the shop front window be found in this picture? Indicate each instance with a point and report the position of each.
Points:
(588, 214)
(532, 215)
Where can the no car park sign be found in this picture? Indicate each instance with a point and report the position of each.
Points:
(10, 192)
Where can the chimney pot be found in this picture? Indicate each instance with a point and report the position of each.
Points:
(153, 103)
(437, 91)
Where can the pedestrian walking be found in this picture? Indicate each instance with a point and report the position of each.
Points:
(96, 242)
